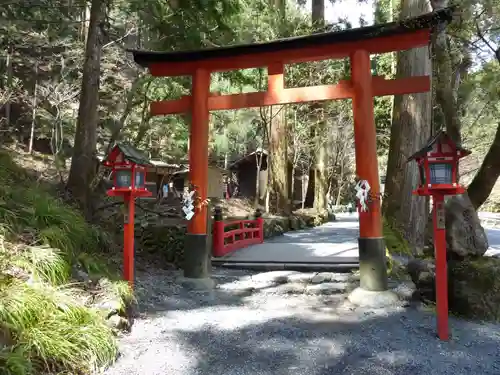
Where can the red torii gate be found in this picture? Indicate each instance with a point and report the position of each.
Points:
(357, 44)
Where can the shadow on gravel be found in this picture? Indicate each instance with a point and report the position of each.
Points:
(256, 332)
(160, 298)
(399, 344)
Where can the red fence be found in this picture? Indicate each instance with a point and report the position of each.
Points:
(228, 237)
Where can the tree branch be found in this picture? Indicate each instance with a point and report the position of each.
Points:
(481, 36)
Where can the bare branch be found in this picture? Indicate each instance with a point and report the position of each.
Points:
(481, 35)
(129, 32)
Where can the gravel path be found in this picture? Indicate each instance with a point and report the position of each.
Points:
(291, 323)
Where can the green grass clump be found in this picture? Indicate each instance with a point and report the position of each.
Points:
(47, 331)
(48, 265)
(45, 327)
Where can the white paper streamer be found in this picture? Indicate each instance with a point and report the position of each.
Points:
(187, 202)
(362, 192)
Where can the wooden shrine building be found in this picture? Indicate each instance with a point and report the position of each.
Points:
(357, 45)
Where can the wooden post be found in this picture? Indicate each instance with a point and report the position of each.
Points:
(372, 258)
(441, 266)
(260, 224)
(196, 263)
(218, 232)
(128, 239)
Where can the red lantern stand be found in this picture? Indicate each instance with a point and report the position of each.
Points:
(135, 176)
(438, 166)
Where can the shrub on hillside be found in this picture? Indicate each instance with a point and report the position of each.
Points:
(29, 213)
(395, 242)
(45, 326)
(474, 290)
(165, 243)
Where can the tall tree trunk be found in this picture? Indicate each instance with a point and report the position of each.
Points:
(305, 186)
(318, 12)
(320, 157)
(85, 25)
(9, 87)
(278, 161)
(409, 131)
(84, 151)
(486, 177)
(388, 11)
(320, 178)
(445, 88)
(33, 113)
(280, 6)
(258, 167)
(278, 155)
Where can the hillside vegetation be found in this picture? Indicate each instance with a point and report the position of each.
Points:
(47, 321)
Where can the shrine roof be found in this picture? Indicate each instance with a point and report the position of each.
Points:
(132, 154)
(247, 157)
(407, 26)
(439, 137)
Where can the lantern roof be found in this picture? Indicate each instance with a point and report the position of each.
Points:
(439, 137)
(130, 153)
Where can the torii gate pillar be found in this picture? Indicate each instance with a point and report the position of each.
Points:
(197, 264)
(372, 257)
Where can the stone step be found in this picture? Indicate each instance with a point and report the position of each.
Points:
(276, 266)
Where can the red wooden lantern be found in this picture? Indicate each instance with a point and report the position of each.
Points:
(129, 171)
(438, 166)
(129, 180)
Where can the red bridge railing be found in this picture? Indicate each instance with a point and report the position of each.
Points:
(234, 235)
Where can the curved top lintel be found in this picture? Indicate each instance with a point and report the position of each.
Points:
(376, 39)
